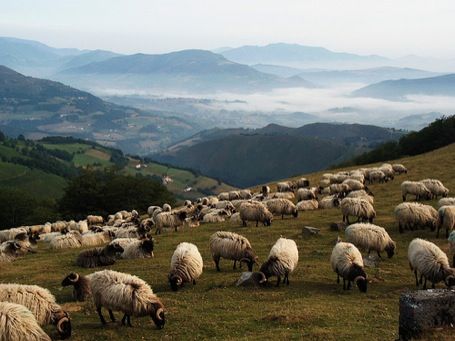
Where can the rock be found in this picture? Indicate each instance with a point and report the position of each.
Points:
(251, 279)
(424, 310)
(310, 231)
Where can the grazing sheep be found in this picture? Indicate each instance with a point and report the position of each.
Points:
(17, 323)
(81, 285)
(281, 207)
(446, 218)
(186, 265)
(72, 239)
(446, 202)
(232, 246)
(170, 219)
(342, 189)
(331, 201)
(347, 262)
(412, 215)
(416, 188)
(117, 291)
(255, 211)
(436, 188)
(370, 237)
(387, 169)
(94, 219)
(307, 193)
(307, 205)
(100, 256)
(353, 185)
(95, 239)
(9, 251)
(285, 186)
(41, 303)
(282, 195)
(282, 260)
(302, 182)
(58, 226)
(375, 176)
(139, 249)
(428, 260)
(398, 168)
(357, 207)
(361, 194)
(216, 216)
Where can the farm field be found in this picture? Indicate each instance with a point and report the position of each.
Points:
(312, 307)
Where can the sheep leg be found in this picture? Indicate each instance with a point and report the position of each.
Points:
(379, 255)
(344, 284)
(124, 319)
(111, 315)
(349, 285)
(282, 216)
(437, 233)
(338, 279)
(257, 223)
(217, 263)
(404, 198)
(128, 320)
(425, 284)
(235, 263)
(98, 310)
(278, 281)
(287, 279)
(194, 282)
(347, 220)
(417, 281)
(244, 223)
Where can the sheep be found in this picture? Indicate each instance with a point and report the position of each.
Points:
(186, 265)
(281, 207)
(235, 218)
(353, 185)
(435, 187)
(94, 219)
(11, 233)
(376, 175)
(81, 284)
(342, 189)
(100, 256)
(227, 205)
(152, 209)
(302, 182)
(307, 205)
(58, 226)
(451, 240)
(361, 194)
(357, 207)
(347, 262)
(416, 188)
(245, 194)
(282, 195)
(323, 183)
(117, 291)
(17, 323)
(234, 195)
(41, 303)
(223, 196)
(285, 186)
(331, 201)
(167, 208)
(128, 232)
(446, 202)
(411, 215)
(95, 239)
(255, 211)
(398, 168)
(265, 190)
(9, 251)
(216, 216)
(282, 260)
(370, 237)
(446, 218)
(139, 249)
(428, 260)
(306, 193)
(72, 239)
(232, 246)
(387, 169)
(169, 219)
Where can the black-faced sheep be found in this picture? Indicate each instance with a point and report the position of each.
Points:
(255, 211)
(170, 219)
(186, 265)
(370, 237)
(331, 201)
(232, 246)
(436, 188)
(428, 260)
(302, 183)
(285, 186)
(100, 256)
(281, 207)
(282, 260)
(9, 250)
(412, 215)
(81, 286)
(347, 262)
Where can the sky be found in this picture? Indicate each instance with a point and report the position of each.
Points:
(389, 28)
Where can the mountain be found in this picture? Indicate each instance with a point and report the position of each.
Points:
(87, 58)
(417, 121)
(399, 89)
(298, 56)
(187, 70)
(38, 107)
(277, 70)
(246, 157)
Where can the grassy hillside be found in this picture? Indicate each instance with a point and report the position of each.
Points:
(313, 307)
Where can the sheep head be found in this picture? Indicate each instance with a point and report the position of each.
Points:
(449, 280)
(295, 213)
(157, 315)
(390, 249)
(71, 279)
(175, 282)
(147, 246)
(249, 258)
(361, 283)
(63, 322)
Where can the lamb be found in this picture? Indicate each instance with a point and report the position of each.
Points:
(17, 323)
(94, 219)
(307, 193)
(447, 219)
(41, 303)
(446, 202)
(411, 215)
(361, 194)
(138, 249)
(281, 207)
(100, 256)
(398, 168)
(72, 239)
(347, 262)
(232, 246)
(307, 205)
(428, 260)
(330, 201)
(302, 182)
(169, 219)
(370, 237)
(255, 211)
(117, 291)
(81, 284)
(435, 187)
(285, 186)
(186, 265)
(95, 239)
(416, 188)
(282, 260)
(357, 207)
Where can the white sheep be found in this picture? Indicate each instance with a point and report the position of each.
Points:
(451, 241)
(361, 194)
(281, 207)
(339, 188)
(398, 168)
(447, 219)
(302, 182)
(96, 239)
(72, 239)
(375, 175)
(446, 202)
(235, 218)
(330, 201)
(245, 194)
(307, 205)
(428, 260)
(357, 207)
(152, 209)
(17, 323)
(186, 265)
(94, 219)
(282, 195)
(282, 260)
(170, 219)
(232, 246)
(307, 193)
(353, 185)
(41, 303)
(370, 237)
(436, 187)
(255, 211)
(285, 186)
(223, 196)
(412, 215)
(138, 249)
(11, 234)
(347, 262)
(216, 216)
(416, 188)
(265, 190)
(117, 291)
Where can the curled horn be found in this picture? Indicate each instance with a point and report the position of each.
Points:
(158, 313)
(76, 277)
(448, 278)
(359, 278)
(244, 259)
(263, 279)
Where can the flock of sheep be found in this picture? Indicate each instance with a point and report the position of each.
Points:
(125, 235)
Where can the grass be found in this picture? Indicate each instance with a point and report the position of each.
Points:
(312, 307)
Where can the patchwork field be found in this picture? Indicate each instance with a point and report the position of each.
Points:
(312, 307)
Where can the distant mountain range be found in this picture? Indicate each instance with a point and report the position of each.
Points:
(399, 89)
(247, 157)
